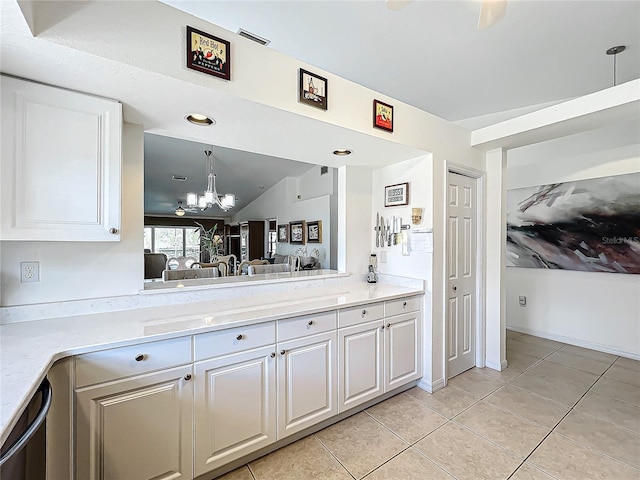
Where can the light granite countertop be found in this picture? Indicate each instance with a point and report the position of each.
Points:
(29, 349)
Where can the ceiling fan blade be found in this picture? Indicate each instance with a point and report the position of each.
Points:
(490, 12)
(396, 4)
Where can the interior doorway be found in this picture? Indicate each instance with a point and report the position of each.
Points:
(463, 330)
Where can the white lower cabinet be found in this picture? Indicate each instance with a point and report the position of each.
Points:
(361, 363)
(139, 428)
(402, 341)
(235, 407)
(307, 382)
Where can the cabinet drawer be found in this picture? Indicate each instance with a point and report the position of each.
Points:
(307, 325)
(122, 362)
(361, 314)
(403, 305)
(231, 340)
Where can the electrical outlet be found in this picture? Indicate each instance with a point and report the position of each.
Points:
(29, 272)
(522, 300)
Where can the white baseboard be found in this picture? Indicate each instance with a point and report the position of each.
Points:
(575, 341)
(431, 387)
(497, 366)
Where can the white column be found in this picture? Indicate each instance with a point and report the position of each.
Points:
(496, 237)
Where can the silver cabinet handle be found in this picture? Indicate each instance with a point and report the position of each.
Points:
(283, 351)
(382, 327)
(455, 288)
(187, 377)
(364, 312)
(310, 322)
(113, 231)
(388, 325)
(140, 357)
(239, 337)
(404, 305)
(273, 355)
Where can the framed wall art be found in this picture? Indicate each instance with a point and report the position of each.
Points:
(395, 195)
(208, 54)
(298, 232)
(314, 232)
(312, 89)
(382, 116)
(283, 233)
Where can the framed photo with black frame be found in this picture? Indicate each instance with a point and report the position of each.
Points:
(396, 195)
(283, 233)
(382, 116)
(208, 54)
(298, 232)
(314, 232)
(313, 89)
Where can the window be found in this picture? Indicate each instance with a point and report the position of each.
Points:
(173, 241)
(272, 243)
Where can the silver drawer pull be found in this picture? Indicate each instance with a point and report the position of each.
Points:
(404, 304)
(310, 322)
(239, 337)
(364, 312)
(388, 325)
(382, 327)
(282, 352)
(187, 377)
(140, 357)
(273, 355)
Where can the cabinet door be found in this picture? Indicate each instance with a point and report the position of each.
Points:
(138, 429)
(307, 382)
(235, 407)
(402, 343)
(360, 353)
(61, 164)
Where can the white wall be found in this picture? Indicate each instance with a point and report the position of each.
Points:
(281, 202)
(79, 270)
(596, 310)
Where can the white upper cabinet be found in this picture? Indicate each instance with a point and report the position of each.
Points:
(60, 173)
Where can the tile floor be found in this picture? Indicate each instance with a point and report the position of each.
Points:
(558, 411)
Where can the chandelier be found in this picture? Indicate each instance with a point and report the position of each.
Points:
(211, 197)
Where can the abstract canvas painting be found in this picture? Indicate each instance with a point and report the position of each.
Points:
(587, 225)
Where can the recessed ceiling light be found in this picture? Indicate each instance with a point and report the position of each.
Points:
(342, 151)
(200, 119)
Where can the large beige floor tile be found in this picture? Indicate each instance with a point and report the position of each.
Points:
(623, 374)
(588, 353)
(628, 363)
(621, 391)
(611, 410)
(407, 417)
(541, 341)
(512, 433)
(528, 472)
(504, 376)
(525, 404)
(360, 443)
(466, 455)
(521, 361)
(590, 365)
(449, 401)
(475, 383)
(616, 442)
(511, 334)
(409, 465)
(241, 473)
(532, 349)
(305, 458)
(549, 388)
(568, 460)
(564, 374)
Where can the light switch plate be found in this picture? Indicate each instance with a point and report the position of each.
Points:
(522, 300)
(383, 256)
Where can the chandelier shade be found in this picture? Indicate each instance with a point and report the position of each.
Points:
(210, 196)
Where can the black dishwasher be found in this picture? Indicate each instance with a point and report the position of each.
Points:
(22, 457)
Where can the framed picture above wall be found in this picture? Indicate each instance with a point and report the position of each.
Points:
(298, 232)
(382, 116)
(396, 195)
(283, 233)
(314, 232)
(312, 89)
(208, 54)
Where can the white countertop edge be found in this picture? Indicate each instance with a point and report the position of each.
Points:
(11, 408)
